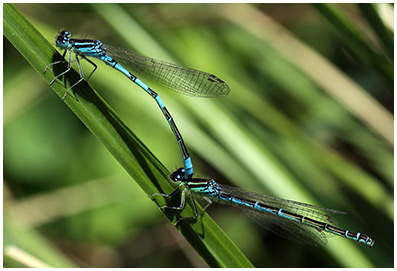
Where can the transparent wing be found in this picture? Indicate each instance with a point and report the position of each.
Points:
(180, 79)
(291, 230)
(311, 211)
(287, 228)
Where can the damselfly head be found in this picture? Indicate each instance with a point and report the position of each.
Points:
(178, 175)
(62, 40)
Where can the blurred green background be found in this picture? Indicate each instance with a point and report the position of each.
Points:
(309, 118)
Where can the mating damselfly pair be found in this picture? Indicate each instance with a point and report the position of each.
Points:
(299, 222)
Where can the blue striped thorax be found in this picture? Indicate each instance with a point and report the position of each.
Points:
(200, 186)
(86, 47)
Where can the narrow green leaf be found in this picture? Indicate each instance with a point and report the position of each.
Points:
(380, 30)
(354, 38)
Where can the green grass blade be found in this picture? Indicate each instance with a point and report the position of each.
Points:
(379, 28)
(27, 248)
(354, 39)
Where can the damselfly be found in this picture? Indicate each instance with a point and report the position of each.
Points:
(181, 79)
(299, 222)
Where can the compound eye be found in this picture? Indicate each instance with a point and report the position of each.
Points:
(67, 34)
(176, 178)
